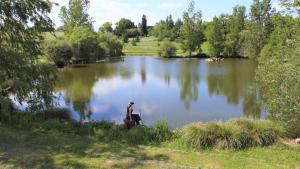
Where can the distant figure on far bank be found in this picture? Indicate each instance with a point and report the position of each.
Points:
(131, 119)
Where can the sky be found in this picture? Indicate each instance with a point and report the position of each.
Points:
(113, 10)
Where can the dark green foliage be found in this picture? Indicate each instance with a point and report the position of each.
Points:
(235, 25)
(85, 44)
(122, 26)
(278, 74)
(161, 32)
(106, 27)
(133, 42)
(125, 38)
(235, 134)
(59, 52)
(21, 25)
(132, 33)
(258, 29)
(144, 27)
(215, 36)
(167, 49)
(111, 45)
(62, 114)
(191, 32)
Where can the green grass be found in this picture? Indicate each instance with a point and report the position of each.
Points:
(148, 46)
(40, 149)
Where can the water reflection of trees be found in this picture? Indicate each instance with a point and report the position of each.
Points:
(77, 84)
(188, 80)
(235, 80)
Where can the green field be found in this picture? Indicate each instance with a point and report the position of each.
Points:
(148, 46)
(37, 149)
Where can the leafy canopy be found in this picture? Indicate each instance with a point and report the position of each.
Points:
(21, 75)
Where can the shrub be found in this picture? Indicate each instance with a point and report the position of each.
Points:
(137, 39)
(56, 113)
(60, 52)
(234, 134)
(278, 76)
(85, 44)
(110, 43)
(133, 42)
(162, 132)
(167, 49)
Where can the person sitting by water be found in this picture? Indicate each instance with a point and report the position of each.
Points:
(130, 116)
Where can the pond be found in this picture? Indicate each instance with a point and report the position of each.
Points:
(178, 91)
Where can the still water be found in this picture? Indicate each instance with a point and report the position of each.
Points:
(178, 91)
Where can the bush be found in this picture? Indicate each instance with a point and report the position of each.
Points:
(125, 38)
(137, 39)
(133, 42)
(278, 76)
(110, 43)
(85, 44)
(235, 134)
(162, 132)
(62, 114)
(167, 49)
(60, 52)
(132, 33)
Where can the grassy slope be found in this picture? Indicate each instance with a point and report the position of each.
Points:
(148, 46)
(26, 149)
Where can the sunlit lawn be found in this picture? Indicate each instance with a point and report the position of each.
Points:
(148, 46)
(29, 149)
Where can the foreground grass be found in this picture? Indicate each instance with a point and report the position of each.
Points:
(38, 149)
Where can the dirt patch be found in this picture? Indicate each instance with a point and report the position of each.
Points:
(291, 142)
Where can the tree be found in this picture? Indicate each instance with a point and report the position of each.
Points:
(170, 22)
(291, 5)
(167, 49)
(123, 25)
(106, 27)
(177, 27)
(76, 14)
(191, 30)
(60, 52)
(21, 76)
(258, 29)
(144, 27)
(110, 43)
(215, 36)
(236, 24)
(85, 44)
(278, 74)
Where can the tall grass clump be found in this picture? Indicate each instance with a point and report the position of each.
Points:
(234, 134)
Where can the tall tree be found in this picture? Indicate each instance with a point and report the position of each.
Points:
(191, 30)
(215, 36)
(21, 76)
(106, 27)
(170, 22)
(76, 14)
(144, 27)
(123, 25)
(258, 29)
(236, 24)
(278, 74)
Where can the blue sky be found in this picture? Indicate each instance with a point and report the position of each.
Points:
(155, 10)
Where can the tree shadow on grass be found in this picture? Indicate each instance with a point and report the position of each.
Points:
(29, 149)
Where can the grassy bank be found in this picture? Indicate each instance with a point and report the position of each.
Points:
(148, 46)
(49, 149)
